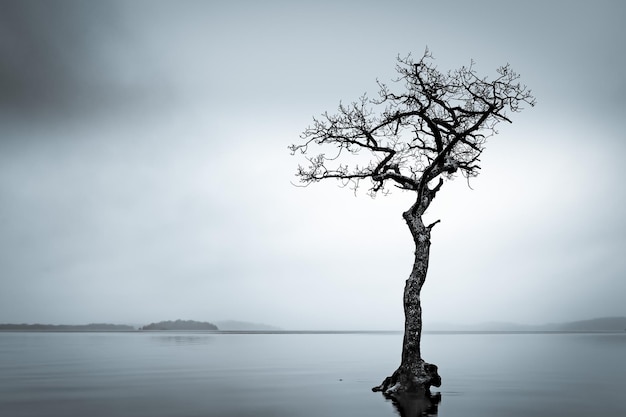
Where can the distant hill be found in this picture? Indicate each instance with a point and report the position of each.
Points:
(233, 325)
(101, 327)
(602, 324)
(181, 325)
(492, 326)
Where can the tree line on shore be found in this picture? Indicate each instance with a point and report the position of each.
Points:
(162, 325)
(180, 325)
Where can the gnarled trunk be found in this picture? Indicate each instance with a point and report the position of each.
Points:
(414, 374)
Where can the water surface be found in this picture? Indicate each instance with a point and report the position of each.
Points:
(160, 374)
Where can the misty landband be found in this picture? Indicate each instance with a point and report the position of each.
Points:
(310, 332)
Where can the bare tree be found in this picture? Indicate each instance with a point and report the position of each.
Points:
(433, 127)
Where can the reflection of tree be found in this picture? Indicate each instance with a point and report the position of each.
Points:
(183, 339)
(416, 404)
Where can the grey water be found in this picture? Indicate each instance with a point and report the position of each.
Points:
(179, 374)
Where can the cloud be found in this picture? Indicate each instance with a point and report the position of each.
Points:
(144, 164)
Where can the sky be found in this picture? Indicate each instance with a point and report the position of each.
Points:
(145, 175)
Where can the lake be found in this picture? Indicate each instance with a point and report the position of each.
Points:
(203, 374)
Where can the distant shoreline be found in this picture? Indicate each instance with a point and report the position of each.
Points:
(67, 327)
(597, 325)
(315, 332)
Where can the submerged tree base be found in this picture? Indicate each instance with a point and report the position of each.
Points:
(415, 378)
(416, 404)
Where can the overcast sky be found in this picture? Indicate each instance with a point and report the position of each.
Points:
(145, 175)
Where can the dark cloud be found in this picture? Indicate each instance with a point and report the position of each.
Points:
(71, 57)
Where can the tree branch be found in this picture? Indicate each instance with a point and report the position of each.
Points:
(436, 126)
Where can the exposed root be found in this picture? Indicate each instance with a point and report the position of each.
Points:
(416, 379)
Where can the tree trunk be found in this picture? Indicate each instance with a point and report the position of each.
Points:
(414, 375)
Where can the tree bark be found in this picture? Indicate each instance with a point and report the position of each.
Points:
(414, 375)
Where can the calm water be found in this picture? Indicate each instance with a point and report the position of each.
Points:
(202, 374)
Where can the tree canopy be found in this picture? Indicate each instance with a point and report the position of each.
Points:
(435, 125)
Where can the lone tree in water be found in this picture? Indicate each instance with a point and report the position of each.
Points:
(434, 127)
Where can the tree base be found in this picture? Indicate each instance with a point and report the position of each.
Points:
(414, 378)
